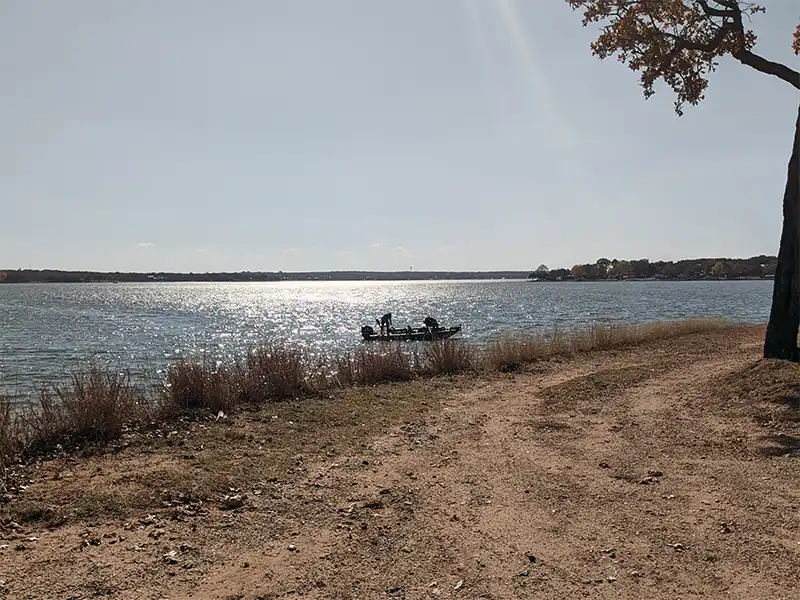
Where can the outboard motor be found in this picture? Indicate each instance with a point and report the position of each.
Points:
(431, 323)
(367, 331)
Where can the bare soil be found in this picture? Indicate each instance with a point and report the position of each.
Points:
(667, 470)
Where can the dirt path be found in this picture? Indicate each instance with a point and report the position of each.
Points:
(619, 475)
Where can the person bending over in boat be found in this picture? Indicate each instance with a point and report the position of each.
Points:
(431, 323)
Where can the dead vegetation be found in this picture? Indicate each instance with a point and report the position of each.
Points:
(195, 386)
(768, 391)
(93, 407)
(10, 438)
(449, 357)
(596, 386)
(373, 365)
(276, 372)
(96, 405)
(513, 351)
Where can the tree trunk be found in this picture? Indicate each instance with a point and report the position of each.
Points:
(784, 318)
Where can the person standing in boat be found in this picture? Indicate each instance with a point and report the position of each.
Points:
(385, 321)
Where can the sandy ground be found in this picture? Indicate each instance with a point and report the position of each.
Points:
(669, 470)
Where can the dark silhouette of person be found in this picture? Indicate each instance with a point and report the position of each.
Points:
(385, 321)
(431, 323)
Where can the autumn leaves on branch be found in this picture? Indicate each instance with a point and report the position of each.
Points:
(679, 41)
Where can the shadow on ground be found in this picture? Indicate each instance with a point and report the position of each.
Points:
(781, 445)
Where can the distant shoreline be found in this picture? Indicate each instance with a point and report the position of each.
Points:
(380, 277)
(701, 269)
(611, 280)
(33, 276)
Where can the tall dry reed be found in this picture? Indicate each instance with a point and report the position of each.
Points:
(448, 357)
(511, 352)
(193, 386)
(93, 406)
(276, 372)
(10, 437)
(370, 365)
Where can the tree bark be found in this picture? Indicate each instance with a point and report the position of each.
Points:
(784, 318)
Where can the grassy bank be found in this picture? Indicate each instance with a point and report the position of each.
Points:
(97, 405)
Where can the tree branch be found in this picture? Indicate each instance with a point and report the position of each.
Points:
(742, 54)
(682, 44)
(759, 63)
(714, 12)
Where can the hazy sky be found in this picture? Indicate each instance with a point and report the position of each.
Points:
(368, 134)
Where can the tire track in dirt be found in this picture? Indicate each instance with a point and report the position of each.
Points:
(465, 498)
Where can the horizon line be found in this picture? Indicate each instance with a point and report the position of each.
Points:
(372, 271)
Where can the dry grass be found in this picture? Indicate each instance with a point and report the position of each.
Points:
(372, 365)
(511, 352)
(268, 373)
(276, 372)
(448, 357)
(595, 386)
(93, 407)
(606, 336)
(195, 386)
(10, 438)
(768, 391)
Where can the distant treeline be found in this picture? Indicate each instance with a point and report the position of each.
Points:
(50, 276)
(756, 267)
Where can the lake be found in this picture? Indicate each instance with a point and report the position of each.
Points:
(47, 328)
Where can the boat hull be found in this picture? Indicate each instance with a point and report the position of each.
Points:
(415, 335)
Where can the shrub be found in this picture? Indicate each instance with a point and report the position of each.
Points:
(275, 372)
(447, 357)
(369, 366)
(93, 407)
(511, 352)
(10, 436)
(193, 386)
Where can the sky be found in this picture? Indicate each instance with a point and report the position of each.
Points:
(266, 135)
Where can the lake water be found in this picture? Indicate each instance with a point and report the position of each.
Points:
(46, 328)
